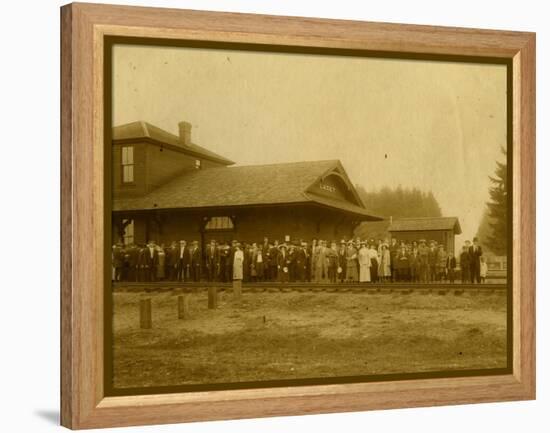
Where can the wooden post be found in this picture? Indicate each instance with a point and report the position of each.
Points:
(183, 307)
(145, 320)
(212, 297)
(237, 290)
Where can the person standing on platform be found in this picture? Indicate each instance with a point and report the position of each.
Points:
(332, 262)
(195, 262)
(423, 251)
(374, 259)
(441, 264)
(432, 262)
(183, 262)
(161, 267)
(451, 266)
(314, 253)
(282, 264)
(301, 262)
(342, 263)
(212, 260)
(402, 264)
(170, 262)
(151, 261)
(394, 249)
(384, 269)
(118, 261)
(272, 261)
(365, 263)
(483, 269)
(465, 263)
(237, 262)
(414, 265)
(475, 254)
(351, 263)
(321, 263)
(258, 264)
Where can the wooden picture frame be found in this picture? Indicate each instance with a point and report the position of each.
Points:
(83, 220)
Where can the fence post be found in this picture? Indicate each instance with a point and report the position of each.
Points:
(145, 320)
(212, 297)
(183, 307)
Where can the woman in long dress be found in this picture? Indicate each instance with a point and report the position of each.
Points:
(238, 260)
(384, 271)
(364, 263)
(351, 263)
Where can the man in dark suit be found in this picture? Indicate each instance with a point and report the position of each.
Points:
(265, 256)
(223, 252)
(465, 263)
(300, 263)
(230, 261)
(151, 260)
(475, 254)
(171, 262)
(131, 257)
(183, 261)
(283, 262)
(212, 260)
(432, 262)
(342, 261)
(195, 262)
(273, 254)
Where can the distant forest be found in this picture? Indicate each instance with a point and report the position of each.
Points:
(400, 202)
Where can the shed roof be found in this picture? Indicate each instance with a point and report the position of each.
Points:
(426, 224)
(273, 184)
(141, 130)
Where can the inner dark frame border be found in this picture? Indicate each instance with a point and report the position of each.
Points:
(110, 41)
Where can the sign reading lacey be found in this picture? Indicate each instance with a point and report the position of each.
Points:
(326, 187)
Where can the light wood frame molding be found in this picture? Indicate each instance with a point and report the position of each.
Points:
(83, 26)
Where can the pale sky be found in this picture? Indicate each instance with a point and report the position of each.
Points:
(437, 126)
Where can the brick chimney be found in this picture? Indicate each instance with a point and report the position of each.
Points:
(185, 133)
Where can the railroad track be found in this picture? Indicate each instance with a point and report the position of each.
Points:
(371, 288)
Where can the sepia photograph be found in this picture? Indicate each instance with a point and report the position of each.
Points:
(298, 216)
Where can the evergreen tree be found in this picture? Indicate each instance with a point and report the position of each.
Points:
(498, 209)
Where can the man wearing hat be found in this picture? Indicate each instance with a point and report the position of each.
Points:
(212, 260)
(272, 260)
(342, 263)
(195, 262)
(423, 251)
(300, 262)
(465, 263)
(475, 255)
(432, 262)
(183, 261)
(283, 261)
(118, 261)
(394, 248)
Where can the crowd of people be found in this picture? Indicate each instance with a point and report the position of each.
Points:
(320, 261)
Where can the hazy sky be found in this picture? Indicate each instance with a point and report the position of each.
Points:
(435, 125)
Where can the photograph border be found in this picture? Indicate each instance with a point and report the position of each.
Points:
(85, 220)
(110, 41)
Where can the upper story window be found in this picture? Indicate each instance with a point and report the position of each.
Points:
(197, 164)
(127, 164)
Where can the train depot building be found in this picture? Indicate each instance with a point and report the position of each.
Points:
(166, 188)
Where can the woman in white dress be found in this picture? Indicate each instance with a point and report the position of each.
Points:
(364, 263)
(238, 260)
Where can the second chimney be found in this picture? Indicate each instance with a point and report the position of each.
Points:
(185, 133)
